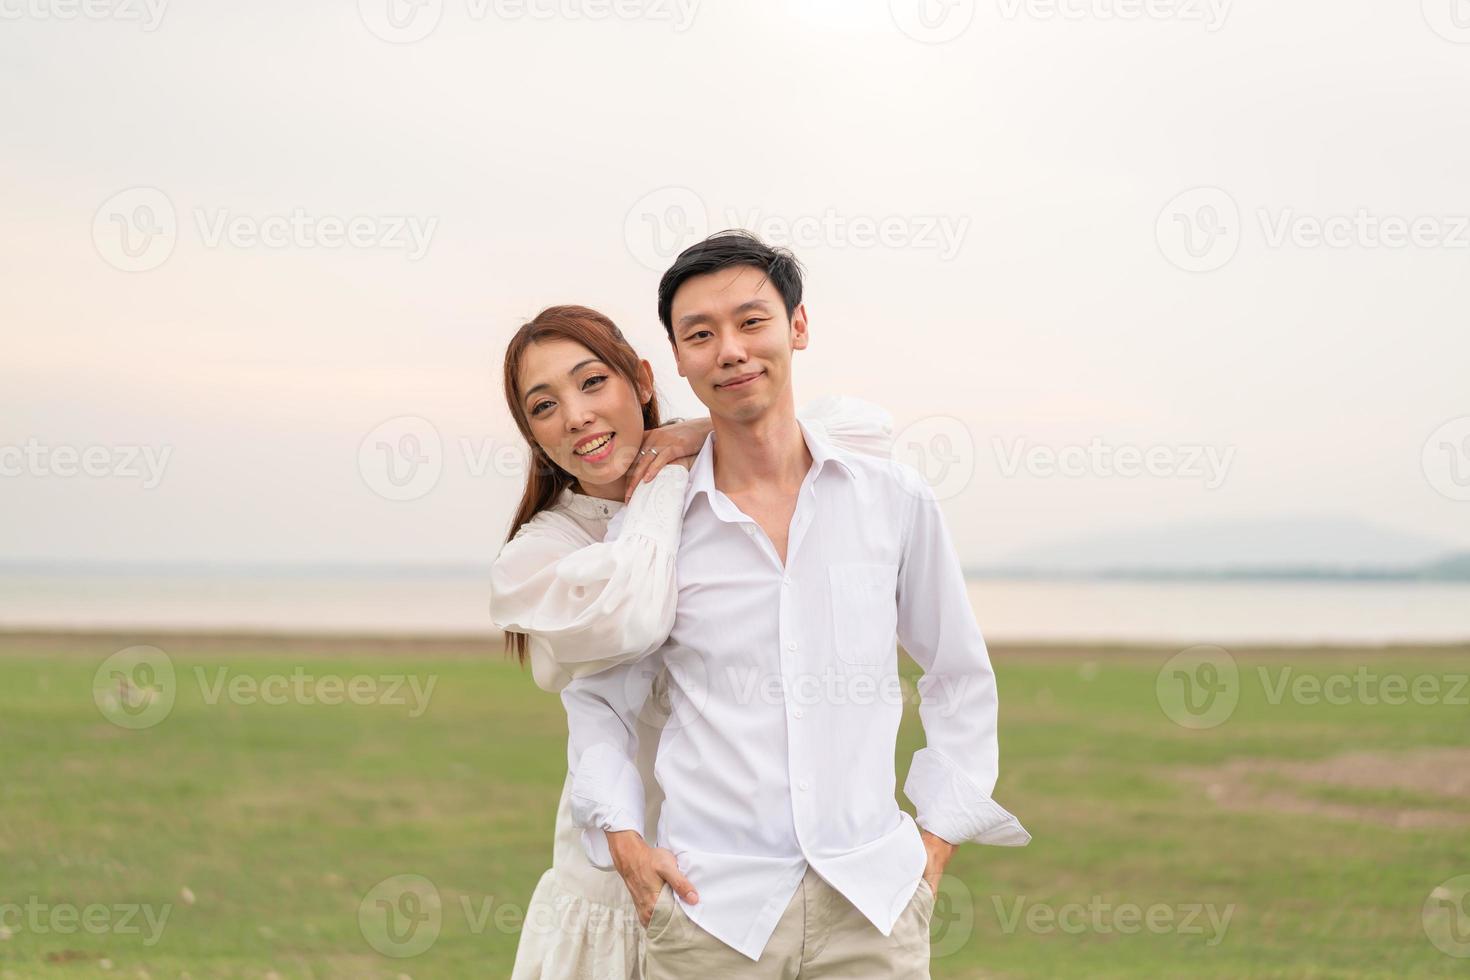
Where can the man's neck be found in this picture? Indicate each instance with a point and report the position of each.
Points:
(769, 451)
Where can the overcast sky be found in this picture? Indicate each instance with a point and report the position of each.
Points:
(256, 253)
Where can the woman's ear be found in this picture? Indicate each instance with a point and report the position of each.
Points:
(645, 382)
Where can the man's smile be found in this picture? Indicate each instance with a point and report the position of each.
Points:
(739, 382)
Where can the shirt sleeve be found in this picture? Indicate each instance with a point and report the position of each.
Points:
(951, 779)
(602, 750)
(851, 423)
(587, 605)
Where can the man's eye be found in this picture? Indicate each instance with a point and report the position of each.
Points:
(697, 335)
(754, 319)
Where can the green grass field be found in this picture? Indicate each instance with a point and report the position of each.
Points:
(1301, 837)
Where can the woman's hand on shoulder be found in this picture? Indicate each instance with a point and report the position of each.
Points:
(678, 442)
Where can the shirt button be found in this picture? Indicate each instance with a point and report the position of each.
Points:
(749, 529)
(785, 582)
(802, 784)
(798, 712)
(791, 646)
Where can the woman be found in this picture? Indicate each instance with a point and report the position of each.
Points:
(573, 604)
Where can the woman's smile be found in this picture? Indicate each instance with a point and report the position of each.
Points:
(596, 449)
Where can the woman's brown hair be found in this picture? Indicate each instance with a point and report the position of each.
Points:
(544, 479)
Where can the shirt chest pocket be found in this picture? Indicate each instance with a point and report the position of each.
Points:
(864, 605)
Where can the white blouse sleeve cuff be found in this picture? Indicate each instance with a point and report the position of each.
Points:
(606, 794)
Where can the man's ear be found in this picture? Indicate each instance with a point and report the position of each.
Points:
(798, 327)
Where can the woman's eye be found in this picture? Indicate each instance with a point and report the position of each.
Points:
(536, 410)
(595, 379)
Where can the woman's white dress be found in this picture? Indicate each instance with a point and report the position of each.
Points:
(589, 604)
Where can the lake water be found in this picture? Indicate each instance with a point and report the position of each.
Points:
(1008, 610)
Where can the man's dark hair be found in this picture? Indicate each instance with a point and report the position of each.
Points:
(722, 250)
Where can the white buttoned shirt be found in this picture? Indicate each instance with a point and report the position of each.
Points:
(784, 702)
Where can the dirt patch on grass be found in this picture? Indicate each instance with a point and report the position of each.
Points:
(1432, 787)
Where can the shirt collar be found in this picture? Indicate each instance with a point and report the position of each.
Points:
(702, 474)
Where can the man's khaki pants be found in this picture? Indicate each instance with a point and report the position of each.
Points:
(820, 934)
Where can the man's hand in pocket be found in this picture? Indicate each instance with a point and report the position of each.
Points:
(645, 869)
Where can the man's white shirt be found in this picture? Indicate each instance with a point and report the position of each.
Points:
(784, 702)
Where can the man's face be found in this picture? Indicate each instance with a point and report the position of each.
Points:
(733, 341)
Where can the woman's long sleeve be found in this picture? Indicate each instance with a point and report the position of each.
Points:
(589, 605)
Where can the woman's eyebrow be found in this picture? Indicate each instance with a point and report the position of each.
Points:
(575, 368)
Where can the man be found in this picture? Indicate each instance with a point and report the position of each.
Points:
(785, 852)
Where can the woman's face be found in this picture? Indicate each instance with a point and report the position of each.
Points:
(584, 415)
